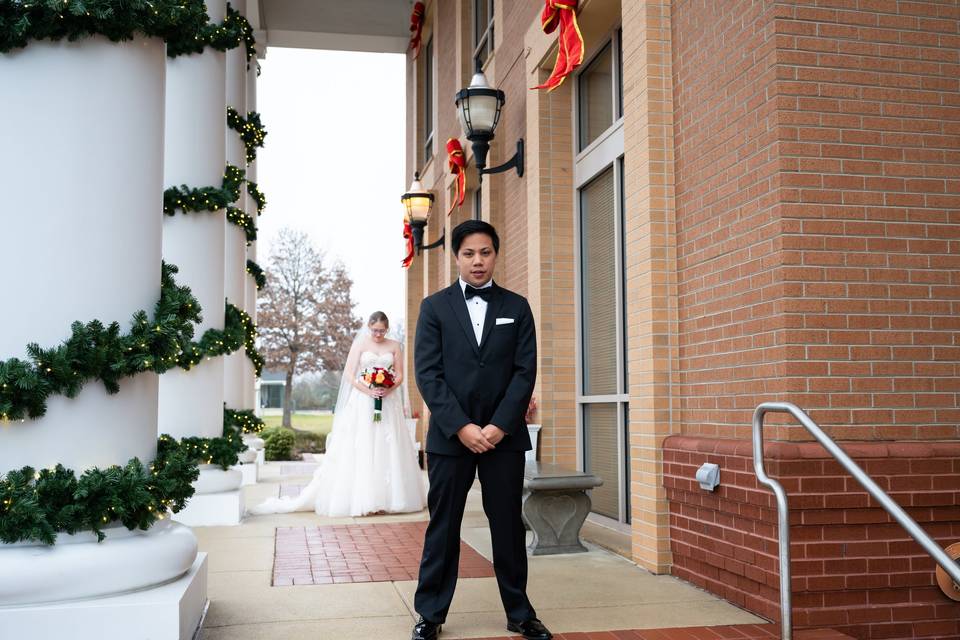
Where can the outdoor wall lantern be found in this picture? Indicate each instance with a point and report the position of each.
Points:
(419, 203)
(478, 108)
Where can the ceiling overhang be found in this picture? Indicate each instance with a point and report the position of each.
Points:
(379, 26)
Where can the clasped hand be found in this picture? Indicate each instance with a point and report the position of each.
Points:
(480, 440)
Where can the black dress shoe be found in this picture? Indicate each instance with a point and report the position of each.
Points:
(425, 630)
(531, 629)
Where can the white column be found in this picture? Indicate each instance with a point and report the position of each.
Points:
(191, 402)
(81, 240)
(235, 253)
(250, 377)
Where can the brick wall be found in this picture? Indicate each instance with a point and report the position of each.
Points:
(853, 568)
(724, 67)
(509, 199)
(869, 113)
(818, 187)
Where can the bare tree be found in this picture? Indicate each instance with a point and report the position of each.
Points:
(341, 323)
(299, 311)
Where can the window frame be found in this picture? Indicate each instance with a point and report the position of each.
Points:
(483, 40)
(429, 106)
(604, 152)
(614, 41)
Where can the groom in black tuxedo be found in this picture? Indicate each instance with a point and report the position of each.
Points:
(476, 364)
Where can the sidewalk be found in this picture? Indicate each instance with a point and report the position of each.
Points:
(595, 591)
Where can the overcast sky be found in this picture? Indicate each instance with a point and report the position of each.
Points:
(333, 163)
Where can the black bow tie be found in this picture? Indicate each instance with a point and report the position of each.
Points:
(484, 293)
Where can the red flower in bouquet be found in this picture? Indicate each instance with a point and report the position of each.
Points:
(378, 378)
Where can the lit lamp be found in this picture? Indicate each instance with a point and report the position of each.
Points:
(418, 203)
(478, 108)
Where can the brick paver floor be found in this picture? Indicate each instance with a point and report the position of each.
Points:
(359, 553)
(733, 632)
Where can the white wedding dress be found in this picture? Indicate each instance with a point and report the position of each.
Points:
(368, 467)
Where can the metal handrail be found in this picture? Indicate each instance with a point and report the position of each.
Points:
(891, 507)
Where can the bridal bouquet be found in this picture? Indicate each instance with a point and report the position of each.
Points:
(378, 378)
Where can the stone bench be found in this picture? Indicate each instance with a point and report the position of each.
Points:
(555, 504)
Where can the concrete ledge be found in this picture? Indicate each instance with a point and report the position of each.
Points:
(173, 611)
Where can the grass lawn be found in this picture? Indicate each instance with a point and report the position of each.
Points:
(304, 422)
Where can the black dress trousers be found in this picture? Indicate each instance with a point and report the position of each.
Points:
(501, 480)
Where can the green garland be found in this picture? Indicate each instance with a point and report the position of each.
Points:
(34, 507)
(246, 421)
(250, 129)
(239, 217)
(189, 199)
(246, 34)
(223, 451)
(250, 342)
(192, 199)
(28, 20)
(97, 352)
(258, 275)
(230, 34)
(214, 342)
(257, 196)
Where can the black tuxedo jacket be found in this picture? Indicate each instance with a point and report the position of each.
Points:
(462, 382)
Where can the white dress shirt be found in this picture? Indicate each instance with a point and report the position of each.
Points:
(477, 307)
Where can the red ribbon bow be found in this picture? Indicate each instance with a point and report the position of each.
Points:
(457, 162)
(562, 13)
(416, 27)
(408, 236)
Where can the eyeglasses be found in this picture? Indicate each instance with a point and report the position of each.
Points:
(378, 332)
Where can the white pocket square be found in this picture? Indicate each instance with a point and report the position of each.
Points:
(504, 321)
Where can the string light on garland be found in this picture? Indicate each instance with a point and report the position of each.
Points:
(240, 218)
(257, 196)
(214, 342)
(192, 199)
(189, 199)
(230, 34)
(244, 420)
(250, 341)
(171, 20)
(37, 505)
(223, 451)
(258, 275)
(251, 131)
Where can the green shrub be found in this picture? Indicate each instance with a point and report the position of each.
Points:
(278, 443)
(308, 442)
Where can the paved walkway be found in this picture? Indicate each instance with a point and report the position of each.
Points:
(592, 592)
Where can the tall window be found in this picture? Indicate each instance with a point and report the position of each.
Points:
(482, 30)
(603, 393)
(428, 101)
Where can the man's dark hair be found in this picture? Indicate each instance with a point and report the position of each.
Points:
(470, 227)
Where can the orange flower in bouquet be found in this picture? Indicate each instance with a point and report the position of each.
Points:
(378, 378)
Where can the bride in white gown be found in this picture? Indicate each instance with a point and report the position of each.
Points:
(369, 467)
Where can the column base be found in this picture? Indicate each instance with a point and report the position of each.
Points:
(173, 611)
(251, 473)
(213, 510)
